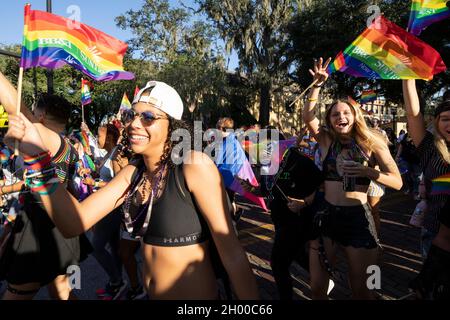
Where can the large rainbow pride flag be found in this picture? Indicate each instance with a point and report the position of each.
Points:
(441, 185)
(232, 164)
(386, 51)
(426, 12)
(51, 41)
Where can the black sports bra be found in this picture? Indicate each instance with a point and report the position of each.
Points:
(352, 152)
(175, 218)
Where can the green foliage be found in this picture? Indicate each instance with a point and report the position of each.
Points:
(106, 96)
(326, 27)
(257, 31)
(185, 51)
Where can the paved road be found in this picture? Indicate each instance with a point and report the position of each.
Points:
(399, 263)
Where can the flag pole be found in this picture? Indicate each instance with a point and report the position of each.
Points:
(82, 105)
(304, 91)
(18, 104)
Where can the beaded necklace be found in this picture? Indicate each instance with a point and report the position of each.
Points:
(143, 181)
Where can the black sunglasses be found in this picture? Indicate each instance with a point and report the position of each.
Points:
(147, 117)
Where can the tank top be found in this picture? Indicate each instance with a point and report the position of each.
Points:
(175, 218)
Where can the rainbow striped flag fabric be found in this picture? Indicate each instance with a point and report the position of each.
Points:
(441, 185)
(426, 12)
(136, 91)
(386, 51)
(85, 92)
(125, 103)
(5, 155)
(51, 41)
(338, 63)
(368, 96)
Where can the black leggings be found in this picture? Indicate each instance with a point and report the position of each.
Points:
(291, 238)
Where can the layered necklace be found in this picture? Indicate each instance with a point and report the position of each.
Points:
(142, 181)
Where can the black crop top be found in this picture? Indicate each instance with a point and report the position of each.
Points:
(349, 151)
(175, 218)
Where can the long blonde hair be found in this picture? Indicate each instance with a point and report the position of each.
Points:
(367, 138)
(439, 141)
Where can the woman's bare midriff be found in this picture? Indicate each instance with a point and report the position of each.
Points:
(180, 272)
(338, 197)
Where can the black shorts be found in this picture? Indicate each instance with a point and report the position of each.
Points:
(349, 226)
(36, 251)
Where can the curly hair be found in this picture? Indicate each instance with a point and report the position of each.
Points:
(166, 158)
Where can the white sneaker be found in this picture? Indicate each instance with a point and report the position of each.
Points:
(330, 286)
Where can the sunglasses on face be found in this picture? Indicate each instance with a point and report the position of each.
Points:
(147, 117)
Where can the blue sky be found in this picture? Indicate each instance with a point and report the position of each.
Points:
(96, 13)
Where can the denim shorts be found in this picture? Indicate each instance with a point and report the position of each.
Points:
(349, 226)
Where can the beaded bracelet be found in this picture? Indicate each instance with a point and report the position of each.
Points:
(40, 174)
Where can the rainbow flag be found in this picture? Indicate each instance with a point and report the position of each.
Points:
(51, 41)
(85, 92)
(368, 96)
(386, 51)
(125, 104)
(441, 185)
(5, 155)
(337, 64)
(136, 90)
(283, 146)
(232, 163)
(83, 137)
(426, 12)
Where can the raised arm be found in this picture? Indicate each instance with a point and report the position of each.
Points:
(205, 182)
(320, 75)
(416, 122)
(8, 98)
(71, 217)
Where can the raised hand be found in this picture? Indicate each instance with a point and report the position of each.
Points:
(21, 129)
(319, 71)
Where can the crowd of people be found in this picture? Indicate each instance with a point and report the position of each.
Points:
(119, 194)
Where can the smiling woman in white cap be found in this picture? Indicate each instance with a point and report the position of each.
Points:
(179, 211)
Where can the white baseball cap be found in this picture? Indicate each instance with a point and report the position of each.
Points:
(163, 97)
